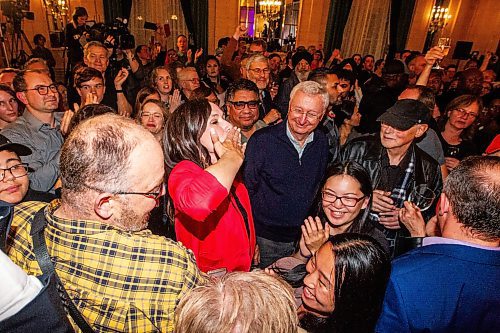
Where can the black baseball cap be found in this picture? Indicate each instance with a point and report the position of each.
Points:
(20, 150)
(405, 114)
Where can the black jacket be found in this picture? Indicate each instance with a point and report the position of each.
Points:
(368, 151)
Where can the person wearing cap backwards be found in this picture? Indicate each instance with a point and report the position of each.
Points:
(396, 165)
(301, 62)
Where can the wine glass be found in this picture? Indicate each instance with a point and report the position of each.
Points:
(422, 196)
(444, 43)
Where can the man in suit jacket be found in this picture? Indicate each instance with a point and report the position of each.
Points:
(452, 283)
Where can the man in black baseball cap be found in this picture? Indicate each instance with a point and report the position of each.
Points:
(405, 114)
(396, 165)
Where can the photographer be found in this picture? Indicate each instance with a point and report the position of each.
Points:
(76, 32)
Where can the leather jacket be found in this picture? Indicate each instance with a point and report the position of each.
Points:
(368, 151)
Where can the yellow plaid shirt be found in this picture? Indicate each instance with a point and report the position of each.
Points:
(120, 281)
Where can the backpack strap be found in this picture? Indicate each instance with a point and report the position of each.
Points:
(47, 267)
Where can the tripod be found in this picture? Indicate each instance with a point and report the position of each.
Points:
(3, 49)
(18, 56)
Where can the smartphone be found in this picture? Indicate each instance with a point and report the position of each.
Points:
(150, 26)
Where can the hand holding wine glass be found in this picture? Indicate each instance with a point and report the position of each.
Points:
(422, 196)
(444, 43)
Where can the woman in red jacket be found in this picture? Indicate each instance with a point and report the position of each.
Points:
(213, 216)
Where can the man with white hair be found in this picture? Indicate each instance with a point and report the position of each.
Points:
(284, 165)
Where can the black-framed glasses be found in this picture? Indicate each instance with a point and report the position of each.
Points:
(346, 201)
(18, 170)
(44, 90)
(154, 194)
(241, 105)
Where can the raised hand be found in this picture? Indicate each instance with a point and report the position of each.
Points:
(120, 78)
(174, 100)
(411, 217)
(231, 144)
(66, 120)
(198, 54)
(313, 235)
(272, 116)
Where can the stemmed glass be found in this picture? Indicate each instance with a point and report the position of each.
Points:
(444, 43)
(422, 196)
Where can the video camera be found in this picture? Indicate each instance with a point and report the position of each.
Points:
(118, 29)
(16, 11)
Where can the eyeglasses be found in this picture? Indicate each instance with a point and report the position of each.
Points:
(154, 115)
(241, 105)
(44, 90)
(309, 115)
(346, 201)
(260, 71)
(18, 170)
(193, 80)
(154, 194)
(462, 112)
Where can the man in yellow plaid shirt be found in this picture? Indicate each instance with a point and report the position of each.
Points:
(120, 276)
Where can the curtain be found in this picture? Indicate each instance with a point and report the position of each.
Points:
(157, 11)
(196, 11)
(401, 16)
(367, 28)
(337, 19)
(116, 8)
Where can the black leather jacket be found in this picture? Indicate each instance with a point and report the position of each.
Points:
(368, 151)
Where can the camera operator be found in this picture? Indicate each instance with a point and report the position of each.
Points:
(76, 37)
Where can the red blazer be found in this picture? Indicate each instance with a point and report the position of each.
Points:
(208, 221)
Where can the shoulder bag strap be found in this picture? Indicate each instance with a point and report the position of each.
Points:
(47, 267)
(241, 209)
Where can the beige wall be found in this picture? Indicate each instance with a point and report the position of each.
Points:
(477, 21)
(312, 22)
(223, 18)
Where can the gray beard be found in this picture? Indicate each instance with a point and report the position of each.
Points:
(302, 76)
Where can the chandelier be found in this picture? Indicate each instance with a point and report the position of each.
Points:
(438, 18)
(270, 8)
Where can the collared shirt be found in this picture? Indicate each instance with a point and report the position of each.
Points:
(444, 240)
(296, 144)
(45, 142)
(120, 281)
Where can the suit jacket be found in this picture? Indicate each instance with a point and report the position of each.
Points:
(443, 288)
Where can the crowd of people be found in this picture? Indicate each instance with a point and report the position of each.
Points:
(247, 191)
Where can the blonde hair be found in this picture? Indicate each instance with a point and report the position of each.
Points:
(239, 302)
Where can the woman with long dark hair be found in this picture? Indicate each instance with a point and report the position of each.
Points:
(342, 206)
(212, 212)
(345, 284)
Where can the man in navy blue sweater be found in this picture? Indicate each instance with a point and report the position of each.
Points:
(284, 166)
(452, 283)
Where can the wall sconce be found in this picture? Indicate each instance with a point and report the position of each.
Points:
(438, 18)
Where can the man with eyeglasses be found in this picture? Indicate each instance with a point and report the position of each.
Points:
(258, 71)
(38, 128)
(242, 103)
(284, 165)
(119, 275)
(188, 80)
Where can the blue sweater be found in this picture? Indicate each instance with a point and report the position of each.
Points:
(282, 186)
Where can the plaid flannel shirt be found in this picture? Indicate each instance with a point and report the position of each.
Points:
(120, 281)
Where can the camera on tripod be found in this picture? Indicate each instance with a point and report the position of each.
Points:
(16, 11)
(118, 29)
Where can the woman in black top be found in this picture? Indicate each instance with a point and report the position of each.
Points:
(457, 129)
